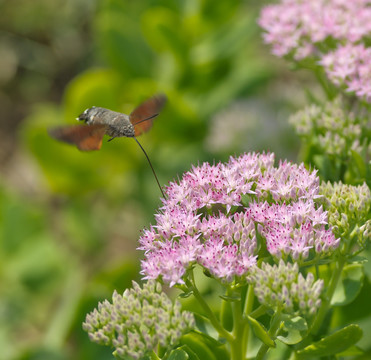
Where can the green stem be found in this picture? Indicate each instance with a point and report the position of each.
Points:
(223, 311)
(326, 86)
(249, 302)
(261, 310)
(60, 322)
(211, 316)
(276, 321)
(342, 170)
(238, 326)
(330, 292)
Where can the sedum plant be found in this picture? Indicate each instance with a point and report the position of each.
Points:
(270, 237)
(330, 38)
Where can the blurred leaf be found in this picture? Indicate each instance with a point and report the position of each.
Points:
(261, 332)
(295, 328)
(198, 346)
(120, 39)
(191, 355)
(33, 271)
(12, 213)
(230, 298)
(225, 41)
(60, 322)
(357, 159)
(333, 344)
(368, 174)
(349, 285)
(352, 351)
(324, 165)
(184, 295)
(204, 346)
(163, 29)
(43, 354)
(178, 354)
(365, 324)
(204, 326)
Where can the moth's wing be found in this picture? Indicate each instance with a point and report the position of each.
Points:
(142, 116)
(85, 137)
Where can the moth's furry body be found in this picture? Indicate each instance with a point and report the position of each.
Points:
(100, 121)
(117, 124)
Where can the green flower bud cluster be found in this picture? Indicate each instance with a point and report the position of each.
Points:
(334, 131)
(138, 321)
(282, 288)
(348, 210)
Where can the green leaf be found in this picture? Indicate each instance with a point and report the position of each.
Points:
(185, 295)
(190, 353)
(358, 259)
(198, 346)
(121, 40)
(368, 174)
(333, 344)
(246, 199)
(223, 42)
(206, 347)
(352, 351)
(230, 298)
(324, 165)
(296, 329)
(178, 354)
(204, 326)
(359, 162)
(209, 340)
(162, 31)
(261, 332)
(349, 285)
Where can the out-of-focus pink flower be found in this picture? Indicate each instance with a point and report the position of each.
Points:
(298, 26)
(350, 66)
(314, 28)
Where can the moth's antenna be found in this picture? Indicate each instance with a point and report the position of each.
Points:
(148, 118)
(150, 164)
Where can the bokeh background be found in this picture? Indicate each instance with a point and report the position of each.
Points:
(70, 221)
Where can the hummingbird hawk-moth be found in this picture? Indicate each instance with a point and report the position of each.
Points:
(100, 121)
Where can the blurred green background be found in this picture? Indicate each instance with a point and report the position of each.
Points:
(70, 221)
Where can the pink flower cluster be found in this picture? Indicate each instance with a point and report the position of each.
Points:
(350, 65)
(304, 28)
(298, 25)
(214, 215)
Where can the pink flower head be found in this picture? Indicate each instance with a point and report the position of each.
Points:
(298, 26)
(215, 213)
(315, 27)
(350, 66)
